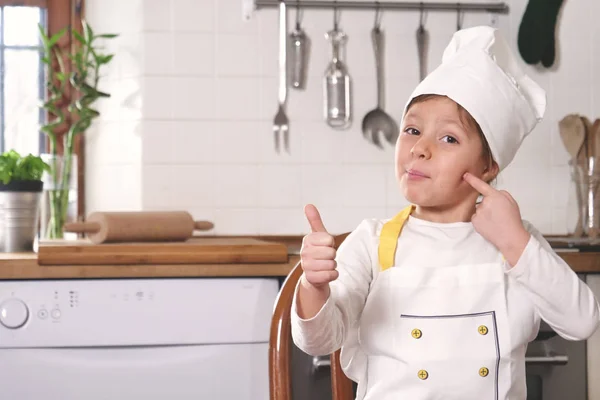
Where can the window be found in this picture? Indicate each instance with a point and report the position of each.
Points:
(22, 80)
(22, 76)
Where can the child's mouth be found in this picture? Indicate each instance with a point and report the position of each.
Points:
(415, 174)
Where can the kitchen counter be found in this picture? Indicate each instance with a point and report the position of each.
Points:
(25, 266)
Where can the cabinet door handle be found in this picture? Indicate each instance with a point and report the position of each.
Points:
(555, 359)
(320, 362)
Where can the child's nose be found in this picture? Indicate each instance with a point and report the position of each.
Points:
(422, 148)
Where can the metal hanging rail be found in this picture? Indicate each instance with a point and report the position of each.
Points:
(384, 5)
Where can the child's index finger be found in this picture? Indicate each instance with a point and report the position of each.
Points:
(479, 185)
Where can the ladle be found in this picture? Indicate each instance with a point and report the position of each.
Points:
(377, 122)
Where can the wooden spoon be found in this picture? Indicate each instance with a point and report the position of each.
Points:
(590, 140)
(572, 133)
(595, 132)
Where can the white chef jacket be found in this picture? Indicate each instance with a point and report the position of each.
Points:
(450, 320)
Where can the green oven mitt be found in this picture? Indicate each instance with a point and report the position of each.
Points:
(537, 31)
(549, 55)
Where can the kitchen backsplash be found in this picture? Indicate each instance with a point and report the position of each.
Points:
(189, 123)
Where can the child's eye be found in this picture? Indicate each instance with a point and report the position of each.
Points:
(411, 131)
(450, 139)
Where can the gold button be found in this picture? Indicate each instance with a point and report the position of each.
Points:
(483, 371)
(423, 374)
(483, 330)
(416, 333)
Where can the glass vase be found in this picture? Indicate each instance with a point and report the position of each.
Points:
(59, 198)
(585, 173)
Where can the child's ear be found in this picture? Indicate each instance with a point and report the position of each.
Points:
(491, 172)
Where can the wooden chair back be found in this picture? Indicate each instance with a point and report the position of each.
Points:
(281, 340)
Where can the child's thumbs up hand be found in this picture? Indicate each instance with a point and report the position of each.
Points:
(318, 253)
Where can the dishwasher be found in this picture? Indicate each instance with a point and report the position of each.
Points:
(130, 339)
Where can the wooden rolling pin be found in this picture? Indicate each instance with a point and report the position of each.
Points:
(138, 226)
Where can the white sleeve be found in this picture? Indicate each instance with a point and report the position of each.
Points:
(326, 332)
(559, 296)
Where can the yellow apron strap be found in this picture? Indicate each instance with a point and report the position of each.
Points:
(388, 238)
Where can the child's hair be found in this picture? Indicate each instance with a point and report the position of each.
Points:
(466, 119)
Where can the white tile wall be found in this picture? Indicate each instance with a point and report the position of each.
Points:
(114, 144)
(194, 93)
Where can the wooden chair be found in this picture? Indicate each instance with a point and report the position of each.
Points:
(280, 345)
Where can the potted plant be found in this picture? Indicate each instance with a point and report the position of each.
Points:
(20, 192)
(81, 82)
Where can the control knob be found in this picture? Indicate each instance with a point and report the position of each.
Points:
(13, 313)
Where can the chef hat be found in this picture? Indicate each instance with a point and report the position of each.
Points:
(479, 72)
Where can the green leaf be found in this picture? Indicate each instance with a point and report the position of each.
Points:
(102, 94)
(14, 166)
(89, 32)
(79, 38)
(104, 59)
(75, 70)
(43, 35)
(92, 112)
(13, 155)
(56, 37)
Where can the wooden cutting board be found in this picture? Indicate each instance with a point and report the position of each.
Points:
(192, 251)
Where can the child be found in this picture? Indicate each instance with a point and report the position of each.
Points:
(441, 301)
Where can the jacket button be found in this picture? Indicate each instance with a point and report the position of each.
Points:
(484, 371)
(483, 330)
(416, 333)
(423, 374)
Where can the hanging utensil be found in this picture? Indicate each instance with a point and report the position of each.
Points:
(377, 122)
(459, 18)
(299, 53)
(336, 81)
(422, 46)
(281, 122)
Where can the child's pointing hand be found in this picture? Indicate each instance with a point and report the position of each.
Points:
(498, 219)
